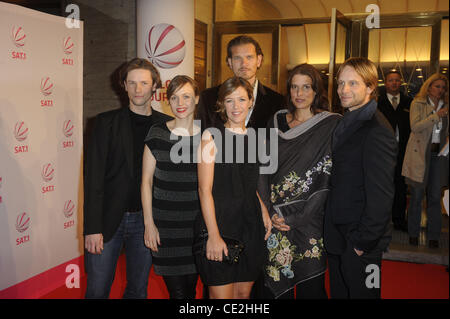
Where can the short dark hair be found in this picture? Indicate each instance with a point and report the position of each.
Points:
(138, 63)
(393, 72)
(320, 102)
(179, 81)
(228, 87)
(243, 39)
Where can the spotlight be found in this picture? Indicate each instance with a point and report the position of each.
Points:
(418, 69)
(420, 76)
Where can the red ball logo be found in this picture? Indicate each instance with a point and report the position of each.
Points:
(68, 208)
(68, 128)
(165, 46)
(47, 172)
(22, 222)
(68, 45)
(46, 86)
(21, 131)
(18, 36)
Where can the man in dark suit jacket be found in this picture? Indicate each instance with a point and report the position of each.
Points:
(395, 107)
(244, 57)
(112, 202)
(356, 228)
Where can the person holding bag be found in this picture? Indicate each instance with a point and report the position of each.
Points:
(231, 227)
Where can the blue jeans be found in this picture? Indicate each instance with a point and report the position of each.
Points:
(101, 268)
(433, 192)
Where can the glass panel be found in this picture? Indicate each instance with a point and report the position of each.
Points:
(309, 43)
(265, 72)
(444, 56)
(341, 35)
(404, 49)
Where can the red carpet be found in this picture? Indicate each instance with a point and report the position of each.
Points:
(399, 281)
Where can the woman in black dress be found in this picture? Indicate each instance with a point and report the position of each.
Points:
(169, 190)
(231, 208)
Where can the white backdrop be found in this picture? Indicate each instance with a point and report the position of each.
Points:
(165, 36)
(41, 103)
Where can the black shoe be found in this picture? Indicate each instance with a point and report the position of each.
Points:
(433, 243)
(414, 241)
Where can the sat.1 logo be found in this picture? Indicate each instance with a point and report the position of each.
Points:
(68, 46)
(23, 222)
(46, 90)
(21, 133)
(47, 174)
(18, 38)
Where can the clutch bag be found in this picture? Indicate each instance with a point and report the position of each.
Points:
(234, 246)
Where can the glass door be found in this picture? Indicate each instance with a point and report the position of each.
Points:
(340, 30)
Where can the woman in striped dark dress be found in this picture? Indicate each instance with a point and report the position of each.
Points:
(169, 190)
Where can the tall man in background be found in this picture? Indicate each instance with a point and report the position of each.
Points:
(244, 58)
(395, 107)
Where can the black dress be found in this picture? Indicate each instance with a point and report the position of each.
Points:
(175, 202)
(238, 215)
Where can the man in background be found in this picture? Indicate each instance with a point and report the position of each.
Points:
(244, 58)
(395, 107)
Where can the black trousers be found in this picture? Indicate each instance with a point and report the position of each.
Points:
(181, 287)
(399, 203)
(353, 276)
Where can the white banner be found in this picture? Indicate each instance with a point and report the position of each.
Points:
(165, 36)
(41, 136)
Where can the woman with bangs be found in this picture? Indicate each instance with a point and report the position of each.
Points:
(169, 190)
(231, 208)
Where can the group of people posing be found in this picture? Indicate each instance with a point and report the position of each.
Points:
(216, 214)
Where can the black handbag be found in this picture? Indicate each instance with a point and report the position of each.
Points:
(234, 246)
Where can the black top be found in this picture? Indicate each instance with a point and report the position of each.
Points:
(238, 214)
(175, 204)
(140, 124)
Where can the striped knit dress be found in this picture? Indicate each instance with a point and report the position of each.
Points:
(175, 200)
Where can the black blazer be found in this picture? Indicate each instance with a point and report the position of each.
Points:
(362, 182)
(109, 171)
(267, 103)
(399, 117)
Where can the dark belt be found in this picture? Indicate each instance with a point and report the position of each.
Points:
(435, 147)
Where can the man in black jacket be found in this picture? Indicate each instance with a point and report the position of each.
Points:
(356, 228)
(244, 57)
(395, 107)
(112, 202)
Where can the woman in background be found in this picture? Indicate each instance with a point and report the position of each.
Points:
(423, 168)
